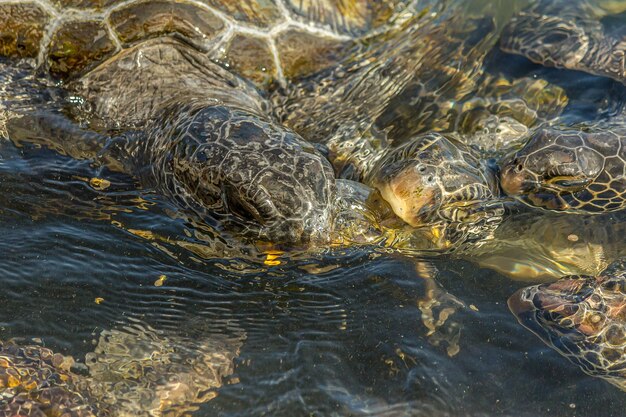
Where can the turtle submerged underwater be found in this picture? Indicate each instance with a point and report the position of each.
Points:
(583, 317)
(134, 370)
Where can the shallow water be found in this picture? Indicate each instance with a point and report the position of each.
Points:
(338, 332)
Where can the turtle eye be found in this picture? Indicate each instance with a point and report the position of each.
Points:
(420, 168)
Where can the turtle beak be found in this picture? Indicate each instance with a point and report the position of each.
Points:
(408, 194)
(512, 180)
(519, 304)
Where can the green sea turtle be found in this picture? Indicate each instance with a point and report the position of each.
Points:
(134, 370)
(574, 170)
(582, 317)
(163, 111)
(206, 132)
(577, 168)
(569, 34)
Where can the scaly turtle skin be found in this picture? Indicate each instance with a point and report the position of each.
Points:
(134, 371)
(568, 34)
(218, 154)
(582, 317)
(570, 170)
(434, 181)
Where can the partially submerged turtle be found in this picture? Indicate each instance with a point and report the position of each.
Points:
(569, 34)
(570, 170)
(578, 168)
(133, 371)
(583, 317)
(202, 133)
(166, 113)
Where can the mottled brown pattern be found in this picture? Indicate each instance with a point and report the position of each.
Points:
(252, 58)
(582, 317)
(261, 13)
(565, 34)
(302, 54)
(569, 170)
(346, 16)
(84, 4)
(77, 46)
(21, 29)
(144, 20)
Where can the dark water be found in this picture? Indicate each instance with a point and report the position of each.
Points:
(339, 332)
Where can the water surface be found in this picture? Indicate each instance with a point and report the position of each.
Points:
(339, 332)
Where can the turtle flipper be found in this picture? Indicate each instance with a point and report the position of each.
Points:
(57, 132)
(572, 40)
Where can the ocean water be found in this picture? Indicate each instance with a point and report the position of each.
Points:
(347, 331)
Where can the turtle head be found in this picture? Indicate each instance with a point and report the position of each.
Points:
(288, 209)
(261, 178)
(553, 170)
(432, 179)
(582, 317)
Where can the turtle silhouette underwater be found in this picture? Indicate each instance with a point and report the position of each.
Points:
(583, 318)
(134, 370)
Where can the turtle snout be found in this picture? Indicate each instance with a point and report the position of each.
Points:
(512, 177)
(411, 189)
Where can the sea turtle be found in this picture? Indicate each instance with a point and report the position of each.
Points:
(163, 111)
(576, 168)
(583, 318)
(265, 41)
(569, 34)
(206, 133)
(134, 370)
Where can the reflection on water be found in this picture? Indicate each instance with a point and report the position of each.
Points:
(170, 314)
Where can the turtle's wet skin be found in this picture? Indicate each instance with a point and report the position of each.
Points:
(583, 318)
(208, 138)
(434, 181)
(569, 170)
